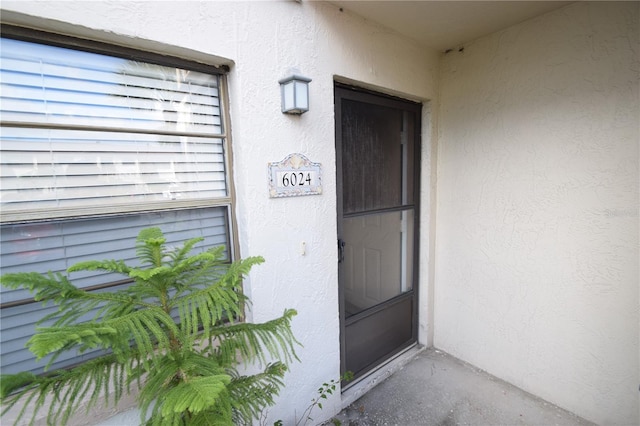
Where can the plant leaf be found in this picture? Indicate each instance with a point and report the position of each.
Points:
(194, 396)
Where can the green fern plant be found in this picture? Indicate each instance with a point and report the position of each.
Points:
(184, 369)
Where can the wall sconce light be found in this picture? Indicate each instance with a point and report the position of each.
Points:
(295, 94)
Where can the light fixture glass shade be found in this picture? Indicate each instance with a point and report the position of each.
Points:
(295, 94)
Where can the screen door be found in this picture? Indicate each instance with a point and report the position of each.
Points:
(378, 146)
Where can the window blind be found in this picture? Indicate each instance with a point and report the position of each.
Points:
(54, 168)
(55, 246)
(56, 86)
(82, 130)
(94, 148)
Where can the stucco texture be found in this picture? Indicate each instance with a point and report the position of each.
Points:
(263, 42)
(536, 226)
(536, 277)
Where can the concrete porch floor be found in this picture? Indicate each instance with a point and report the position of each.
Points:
(434, 388)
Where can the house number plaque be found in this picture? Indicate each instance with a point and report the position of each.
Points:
(294, 176)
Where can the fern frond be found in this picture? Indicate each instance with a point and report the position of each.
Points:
(11, 382)
(49, 287)
(150, 234)
(142, 290)
(148, 274)
(195, 364)
(73, 303)
(208, 307)
(250, 394)
(200, 274)
(150, 330)
(206, 260)
(229, 275)
(194, 395)
(179, 254)
(150, 246)
(69, 311)
(219, 417)
(116, 305)
(87, 383)
(54, 339)
(147, 328)
(255, 341)
(117, 266)
(169, 370)
(164, 374)
(108, 305)
(240, 269)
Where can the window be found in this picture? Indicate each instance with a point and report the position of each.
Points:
(96, 143)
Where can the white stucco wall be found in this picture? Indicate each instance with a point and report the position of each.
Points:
(537, 212)
(262, 41)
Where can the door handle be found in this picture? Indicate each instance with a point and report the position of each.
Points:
(340, 251)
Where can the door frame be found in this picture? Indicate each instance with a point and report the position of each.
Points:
(350, 92)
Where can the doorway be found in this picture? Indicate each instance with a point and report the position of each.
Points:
(378, 170)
